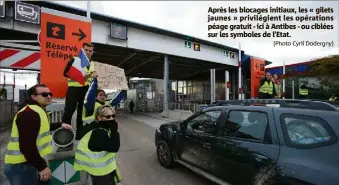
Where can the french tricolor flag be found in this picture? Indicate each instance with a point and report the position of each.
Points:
(76, 71)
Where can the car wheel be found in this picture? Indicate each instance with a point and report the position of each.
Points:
(164, 154)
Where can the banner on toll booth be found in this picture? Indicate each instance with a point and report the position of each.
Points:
(257, 71)
(62, 35)
(110, 77)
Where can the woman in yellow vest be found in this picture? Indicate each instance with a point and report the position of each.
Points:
(277, 85)
(97, 150)
(94, 99)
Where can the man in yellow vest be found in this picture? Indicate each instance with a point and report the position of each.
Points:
(267, 89)
(333, 98)
(31, 140)
(98, 147)
(76, 92)
(303, 91)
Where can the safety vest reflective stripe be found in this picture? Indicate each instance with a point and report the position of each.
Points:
(92, 155)
(17, 152)
(96, 165)
(303, 91)
(40, 136)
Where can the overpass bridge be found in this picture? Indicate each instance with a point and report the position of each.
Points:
(144, 51)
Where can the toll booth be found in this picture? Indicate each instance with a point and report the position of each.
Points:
(139, 96)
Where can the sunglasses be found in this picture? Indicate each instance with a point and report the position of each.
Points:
(109, 116)
(45, 94)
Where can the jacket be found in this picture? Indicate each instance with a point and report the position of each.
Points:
(28, 132)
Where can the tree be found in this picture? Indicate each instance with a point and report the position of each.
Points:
(326, 66)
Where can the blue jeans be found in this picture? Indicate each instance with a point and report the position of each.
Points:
(23, 174)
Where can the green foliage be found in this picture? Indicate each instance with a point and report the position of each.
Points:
(327, 66)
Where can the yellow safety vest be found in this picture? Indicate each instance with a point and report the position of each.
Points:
(333, 99)
(95, 163)
(277, 89)
(72, 83)
(88, 119)
(303, 92)
(43, 142)
(266, 88)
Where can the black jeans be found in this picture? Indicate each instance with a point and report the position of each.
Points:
(265, 96)
(104, 180)
(75, 97)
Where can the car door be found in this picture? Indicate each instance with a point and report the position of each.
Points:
(247, 149)
(195, 140)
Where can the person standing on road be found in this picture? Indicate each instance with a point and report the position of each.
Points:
(76, 92)
(31, 140)
(333, 98)
(96, 151)
(303, 91)
(131, 106)
(267, 90)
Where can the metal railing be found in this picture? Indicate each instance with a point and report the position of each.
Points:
(56, 116)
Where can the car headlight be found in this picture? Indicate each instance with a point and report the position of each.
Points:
(158, 128)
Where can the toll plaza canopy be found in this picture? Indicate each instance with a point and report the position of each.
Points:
(291, 69)
(139, 49)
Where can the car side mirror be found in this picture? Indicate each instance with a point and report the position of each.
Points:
(183, 125)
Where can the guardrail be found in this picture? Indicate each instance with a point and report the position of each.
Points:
(56, 116)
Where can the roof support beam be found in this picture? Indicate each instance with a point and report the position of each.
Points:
(184, 65)
(19, 46)
(199, 72)
(143, 63)
(128, 57)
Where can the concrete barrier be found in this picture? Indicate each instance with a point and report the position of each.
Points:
(165, 113)
(176, 114)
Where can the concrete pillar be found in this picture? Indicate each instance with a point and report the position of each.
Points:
(212, 78)
(293, 91)
(176, 91)
(166, 66)
(233, 85)
(227, 81)
(240, 91)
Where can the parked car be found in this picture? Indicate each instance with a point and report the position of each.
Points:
(277, 142)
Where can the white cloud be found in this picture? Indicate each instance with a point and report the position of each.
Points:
(191, 18)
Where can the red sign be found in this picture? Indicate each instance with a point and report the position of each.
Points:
(257, 71)
(62, 36)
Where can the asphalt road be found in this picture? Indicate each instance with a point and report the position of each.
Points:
(138, 162)
(137, 158)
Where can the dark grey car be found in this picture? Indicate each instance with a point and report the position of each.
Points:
(256, 145)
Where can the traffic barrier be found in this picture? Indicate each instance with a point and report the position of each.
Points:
(176, 114)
